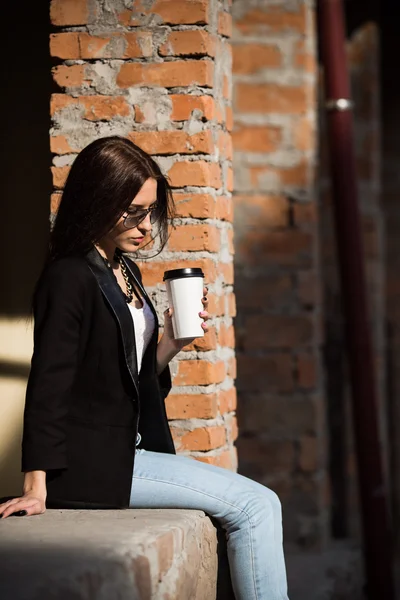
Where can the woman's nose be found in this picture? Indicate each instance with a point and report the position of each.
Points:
(146, 223)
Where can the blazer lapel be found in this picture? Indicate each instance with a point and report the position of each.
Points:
(115, 298)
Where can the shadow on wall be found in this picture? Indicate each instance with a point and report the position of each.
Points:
(25, 163)
(25, 187)
(276, 346)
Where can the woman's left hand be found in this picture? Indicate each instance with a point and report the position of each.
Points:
(168, 330)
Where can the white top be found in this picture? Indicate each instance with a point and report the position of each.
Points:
(143, 321)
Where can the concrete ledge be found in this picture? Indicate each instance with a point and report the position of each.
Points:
(104, 555)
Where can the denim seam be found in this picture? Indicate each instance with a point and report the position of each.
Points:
(220, 500)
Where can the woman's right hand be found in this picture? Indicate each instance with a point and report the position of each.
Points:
(31, 502)
(33, 499)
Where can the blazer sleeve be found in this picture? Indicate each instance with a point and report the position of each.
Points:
(164, 378)
(58, 312)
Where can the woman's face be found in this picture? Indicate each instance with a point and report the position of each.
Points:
(129, 239)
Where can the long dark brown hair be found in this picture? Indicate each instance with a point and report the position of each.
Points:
(104, 179)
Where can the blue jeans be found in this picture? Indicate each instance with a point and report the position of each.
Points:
(249, 512)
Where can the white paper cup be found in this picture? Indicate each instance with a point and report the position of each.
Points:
(185, 291)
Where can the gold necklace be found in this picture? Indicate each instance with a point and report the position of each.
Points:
(129, 288)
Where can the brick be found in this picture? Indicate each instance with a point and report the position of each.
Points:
(173, 142)
(153, 271)
(230, 237)
(139, 115)
(225, 24)
(305, 214)
(60, 175)
(204, 344)
(280, 415)
(232, 368)
(304, 134)
(133, 44)
(220, 112)
(229, 179)
(260, 456)
(183, 106)
(216, 305)
(271, 98)
(227, 400)
(299, 175)
(274, 19)
(273, 372)
(267, 292)
(195, 238)
(96, 108)
(188, 43)
(308, 456)
(227, 272)
(226, 87)
(104, 108)
(55, 200)
(277, 331)
(233, 430)
(226, 459)
(191, 406)
(199, 372)
(167, 74)
(68, 77)
(95, 46)
(231, 304)
(261, 212)
(198, 173)
(226, 336)
(69, 12)
(225, 145)
(309, 289)
(176, 12)
(224, 208)
(229, 118)
(284, 248)
(129, 18)
(65, 45)
(307, 369)
(203, 438)
(196, 206)
(304, 59)
(258, 138)
(60, 145)
(59, 102)
(249, 58)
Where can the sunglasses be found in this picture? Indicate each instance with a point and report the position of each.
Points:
(133, 218)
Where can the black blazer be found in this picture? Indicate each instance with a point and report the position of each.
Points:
(84, 398)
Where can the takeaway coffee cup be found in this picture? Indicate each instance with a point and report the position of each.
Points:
(185, 291)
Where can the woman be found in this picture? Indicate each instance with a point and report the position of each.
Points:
(95, 428)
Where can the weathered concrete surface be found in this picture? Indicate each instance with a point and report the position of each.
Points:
(104, 555)
(334, 574)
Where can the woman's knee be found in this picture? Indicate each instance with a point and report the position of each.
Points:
(274, 500)
(262, 507)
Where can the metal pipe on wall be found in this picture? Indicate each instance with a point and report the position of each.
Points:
(377, 545)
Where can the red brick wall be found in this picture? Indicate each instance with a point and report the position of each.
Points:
(363, 56)
(281, 408)
(163, 77)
